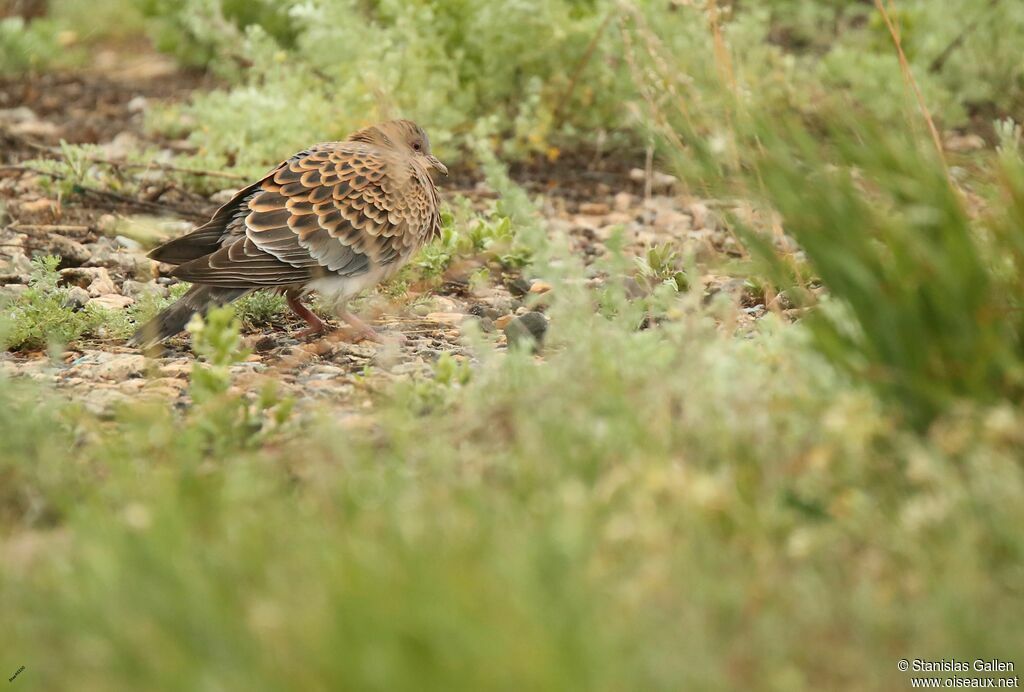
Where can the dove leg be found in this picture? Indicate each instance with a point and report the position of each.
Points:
(316, 325)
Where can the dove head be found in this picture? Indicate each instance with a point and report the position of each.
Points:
(405, 136)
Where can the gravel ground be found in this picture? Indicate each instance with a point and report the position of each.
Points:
(586, 201)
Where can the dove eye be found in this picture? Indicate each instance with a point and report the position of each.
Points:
(417, 146)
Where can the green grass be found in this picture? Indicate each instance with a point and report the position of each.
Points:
(645, 510)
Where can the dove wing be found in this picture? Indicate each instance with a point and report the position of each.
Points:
(339, 209)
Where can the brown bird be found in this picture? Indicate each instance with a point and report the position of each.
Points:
(336, 218)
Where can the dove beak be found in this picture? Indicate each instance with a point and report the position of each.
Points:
(432, 160)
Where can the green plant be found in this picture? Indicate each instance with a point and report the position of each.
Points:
(662, 265)
(41, 315)
(226, 419)
(259, 308)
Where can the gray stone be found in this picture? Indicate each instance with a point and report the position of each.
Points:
(121, 367)
(526, 330)
(138, 289)
(96, 280)
(72, 253)
(110, 301)
(76, 298)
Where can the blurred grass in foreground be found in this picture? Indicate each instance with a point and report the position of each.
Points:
(645, 510)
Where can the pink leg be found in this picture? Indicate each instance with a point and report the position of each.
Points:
(316, 325)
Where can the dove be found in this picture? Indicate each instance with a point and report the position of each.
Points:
(337, 218)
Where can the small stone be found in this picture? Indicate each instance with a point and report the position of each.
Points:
(540, 287)
(121, 367)
(102, 401)
(503, 321)
(120, 146)
(699, 212)
(9, 116)
(138, 104)
(106, 223)
(526, 330)
(10, 292)
(96, 280)
(447, 317)
(518, 286)
(176, 368)
(72, 253)
(76, 298)
(38, 206)
(594, 208)
(128, 243)
(445, 304)
(42, 129)
(484, 324)
(961, 143)
(223, 196)
(111, 301)
(623, 201)
(170, 384)
(138, 289)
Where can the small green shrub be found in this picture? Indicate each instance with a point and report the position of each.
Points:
(26, 45)
(259, 308)
(41, 315)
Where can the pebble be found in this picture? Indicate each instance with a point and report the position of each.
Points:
(38, 206)
(447, 317)
(137, 289)
(526, 330)
(96, 280)
(10, 116)
(484, 324)
(107, 223)
(128, 243)
(101, 402)
(138, 104)
(111, 301)
(594, 208)
(176, 368)
(518, 286)
(540, 287)
(76, 298)
(72, 252)
(223, 196)
(121, 366)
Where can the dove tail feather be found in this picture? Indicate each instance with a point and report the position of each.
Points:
(173, 319)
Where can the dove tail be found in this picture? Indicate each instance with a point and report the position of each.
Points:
(173, 319)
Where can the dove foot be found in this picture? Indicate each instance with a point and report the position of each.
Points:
(316, 325)
(365, 332)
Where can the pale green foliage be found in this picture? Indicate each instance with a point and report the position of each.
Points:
(24, 47)
(259, 307)
(557, 525)
(465, 233)
(662, 265)
(57, 40)
(76, 168)
(41, 315)
(225, 419)
(521, 76)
